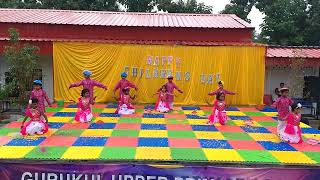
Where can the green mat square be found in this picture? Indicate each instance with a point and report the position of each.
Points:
(139, 110)
(268, 123)
(254, 113)
(188, 154)
(231, 123)
(51, 109)
(236, 136)
(314, 156)
(118, 153)
(125, 133)
(181, 134)
(176, 112)
(207, 112)
(69, 132)
(6, 131)
(52, 152)
(21, 119)
(97, 110)
(257, 156)
(130, 120)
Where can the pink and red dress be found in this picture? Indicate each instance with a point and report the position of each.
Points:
(88, 84)
(282, 104)
(292, 131)
(84, 113)
(41, 95)
(125, 107)
(162, 104)
(171, 87)
(221, 90)
(36, 125)
(218, 113)
(123, 83)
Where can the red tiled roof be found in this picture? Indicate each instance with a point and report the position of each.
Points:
(102, 18)
(291, 52)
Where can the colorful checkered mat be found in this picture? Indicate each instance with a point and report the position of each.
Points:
(182, 135)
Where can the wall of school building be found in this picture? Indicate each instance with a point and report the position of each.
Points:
(275, 75)
(45, 63)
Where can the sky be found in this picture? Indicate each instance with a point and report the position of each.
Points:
(255, 15)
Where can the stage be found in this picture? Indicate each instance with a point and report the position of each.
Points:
(180, 136)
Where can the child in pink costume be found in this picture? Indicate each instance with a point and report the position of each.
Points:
(125, 106)
(88, 83)
(218, 112)
(41, 95)
(84, 113)
(162, 104)
(123, 83)
(292, 131)
(171, 86)
(282, 104)
(38, 120)
(221, 90)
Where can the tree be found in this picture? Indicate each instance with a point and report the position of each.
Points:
(296, 75)
(22, 60)
(138, 5)
(313, 23)
(183, 6)
(241, 8)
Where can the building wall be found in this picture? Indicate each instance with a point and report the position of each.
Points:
(275, 75)
(47, 73)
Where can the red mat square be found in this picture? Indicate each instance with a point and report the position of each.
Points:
(96, 114)
(229, 129)
(128, 126)
(179, 127)
(75, 126)
(59, 141)
(136, 115)
(262, 118)
(248, 109)
(122, 142)
(305, 147)
(206, 108)
(4, 140)
(13, 124)
(175, 116)
(99, 105)
(245, 145)
(184, 143)
(272, 129)
(50, 113)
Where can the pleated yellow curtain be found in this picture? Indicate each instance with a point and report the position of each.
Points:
(196, 70)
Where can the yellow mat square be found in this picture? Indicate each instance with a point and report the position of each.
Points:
(59, 119)
(97, 133)
(197, 112)
(314, 136)
(292, 157)
(153, 133)
(303, 125)
(153, 121)
(107, 119)
(82, 152)
(153, 153)
(197, 121)
(265, 137)
(14, 152)
(109, 110)
(235, 113)
(270, 113)
(222, 155)
(243, 123)
(208, 135)
(69, 110)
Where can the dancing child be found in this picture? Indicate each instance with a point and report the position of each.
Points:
(84, 113)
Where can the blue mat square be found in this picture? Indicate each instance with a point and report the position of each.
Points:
(112, 106)
(232, 109)
(109, 115)
(203, 128)
(239, 117)
(269, 109)
(26, 142)
(149, 115)
(190, 108)
(55, 125)
(275, 117)
(153, 126)
(252, 129)
(149, 107)
(90, 141)
(102, 126)
(65, 114)
(72, 106)
(310, 131)
(193, 116)
(153, 142)
(272, 146)
(217, 144)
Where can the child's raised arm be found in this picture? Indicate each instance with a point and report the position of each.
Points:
(45, 117)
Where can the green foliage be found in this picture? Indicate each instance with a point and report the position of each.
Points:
(138, 5)
(22, 60)
(241, 8)
(183, 6)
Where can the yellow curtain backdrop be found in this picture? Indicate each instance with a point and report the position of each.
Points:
(241, 68)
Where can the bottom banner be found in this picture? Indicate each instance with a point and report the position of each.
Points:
(13, 171)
